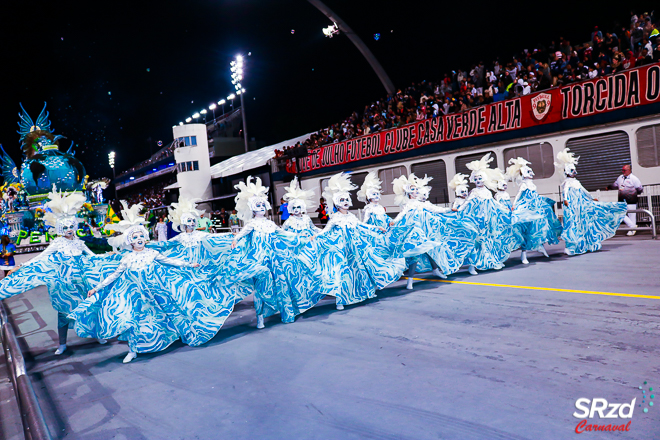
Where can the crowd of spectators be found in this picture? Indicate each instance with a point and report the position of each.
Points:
(557, 64)
(152, 197)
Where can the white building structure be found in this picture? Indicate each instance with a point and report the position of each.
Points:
(193, 166)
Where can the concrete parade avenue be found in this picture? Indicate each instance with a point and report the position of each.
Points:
(502, 355)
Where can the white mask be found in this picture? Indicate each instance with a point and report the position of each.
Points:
(297, 209)
(478, 180)
(373, 196)
(344, 203)
(138, 240)
(569, 170)
(462, 191)
(526, 172)
(259, 209)
(68, 229)
(413, 192)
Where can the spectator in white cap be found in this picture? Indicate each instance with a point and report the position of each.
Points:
(526, 88)
(630, 187)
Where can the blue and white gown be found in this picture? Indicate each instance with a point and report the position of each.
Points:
(513, 233)
(374, 214)
(350, 260)
(429, 235)
(588, 223)
(536, 218)
(303, 226)
(491, 247)
(150, 301)
(68, 268)
(212, 252)
(266, 257)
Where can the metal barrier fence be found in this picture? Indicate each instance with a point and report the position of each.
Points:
(649, 200)
(651, 228)
(34, 424)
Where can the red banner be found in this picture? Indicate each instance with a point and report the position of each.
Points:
(625, 89)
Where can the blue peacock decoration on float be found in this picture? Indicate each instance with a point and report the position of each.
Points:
(43, 162)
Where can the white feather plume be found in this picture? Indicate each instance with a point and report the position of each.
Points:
(183, 206)
(564, 157)
(458, 180)
(60, 207)
(339, 183)
(248, 190)
(494, 175)
(371, 182)
(131, 217)
(514, 171)
(401, 186)
(479, 166)
(295, 192)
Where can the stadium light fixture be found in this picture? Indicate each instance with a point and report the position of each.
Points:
(237, 75)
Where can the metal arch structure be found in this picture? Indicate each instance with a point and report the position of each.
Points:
(357, 41)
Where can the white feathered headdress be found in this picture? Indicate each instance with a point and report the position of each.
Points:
(296, 196)
(495, 176)
(132, 221)
(370, 187)
(62, 209)
(338, 186)
(249, 193)
(180, 212)
(481, 166)
(459, 181)
(514, 171)
(567, 161)
(402, 186)
(423, 184)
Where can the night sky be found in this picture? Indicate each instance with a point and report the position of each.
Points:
(117, 75)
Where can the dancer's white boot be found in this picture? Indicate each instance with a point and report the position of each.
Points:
(130, 356)
(260, 321)
(523, 257)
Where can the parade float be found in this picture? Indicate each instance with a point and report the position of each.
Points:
(44, 166)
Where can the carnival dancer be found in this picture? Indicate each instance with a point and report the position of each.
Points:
(266, 255)
(456, 233)
(491, 247)
(532, 213)
(369, 193)
(298, 201)
(512, 234)
(211, 251)
(150, 301)
(459, 185)
(349, 257)
(410, 233)
(67, 266)
(587, 222)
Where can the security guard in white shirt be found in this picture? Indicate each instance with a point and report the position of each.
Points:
(630, 187)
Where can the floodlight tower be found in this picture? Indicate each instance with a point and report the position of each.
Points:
(236, 78)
